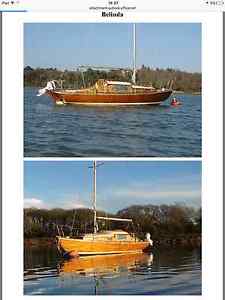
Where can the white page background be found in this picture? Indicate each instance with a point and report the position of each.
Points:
(212, 202)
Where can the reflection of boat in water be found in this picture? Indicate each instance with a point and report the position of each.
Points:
(110, 92)
(103, 242)
(104, 264)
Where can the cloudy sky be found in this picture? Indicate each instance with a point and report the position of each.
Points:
(67, 45)
(68, 184)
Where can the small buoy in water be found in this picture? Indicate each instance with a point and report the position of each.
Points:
(60, 102)
(175, 102)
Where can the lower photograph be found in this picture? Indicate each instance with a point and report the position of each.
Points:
(112, 227)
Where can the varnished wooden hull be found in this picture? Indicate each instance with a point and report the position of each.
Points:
(83, 247)
(155, 97)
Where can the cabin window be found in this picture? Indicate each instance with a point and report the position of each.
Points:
(103, 238)
(121, 88)
(121, 237)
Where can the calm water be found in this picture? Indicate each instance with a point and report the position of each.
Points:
(164, 272)
(161, 131)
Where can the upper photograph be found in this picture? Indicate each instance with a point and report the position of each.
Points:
(112, 90)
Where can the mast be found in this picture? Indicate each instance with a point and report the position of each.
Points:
(94, 196)
(134, 54)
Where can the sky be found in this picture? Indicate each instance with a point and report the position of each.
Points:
(68, 184)
(68, 45)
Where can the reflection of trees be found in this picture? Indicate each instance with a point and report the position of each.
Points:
(176, 258)
(40, 256)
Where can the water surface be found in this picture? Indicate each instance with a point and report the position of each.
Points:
(175, 271)
(89, 131)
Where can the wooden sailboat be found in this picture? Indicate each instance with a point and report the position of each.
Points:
(105, 242)
(108, 92)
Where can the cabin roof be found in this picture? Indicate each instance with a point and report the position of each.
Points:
(143, 87)
(118, 231)
(110, 82)
(109, 232)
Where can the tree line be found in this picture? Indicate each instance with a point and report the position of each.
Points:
(159, 220)
(182, 81)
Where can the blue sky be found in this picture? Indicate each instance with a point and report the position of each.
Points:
(67, 45)
(68, 184)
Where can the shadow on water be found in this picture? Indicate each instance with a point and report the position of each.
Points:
(163, 272)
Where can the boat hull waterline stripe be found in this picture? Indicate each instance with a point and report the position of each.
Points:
(111, 104)
(105, 253)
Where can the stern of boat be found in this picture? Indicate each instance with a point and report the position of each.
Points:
(58, 244)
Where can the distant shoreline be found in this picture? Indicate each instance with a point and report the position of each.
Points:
(180, 81)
